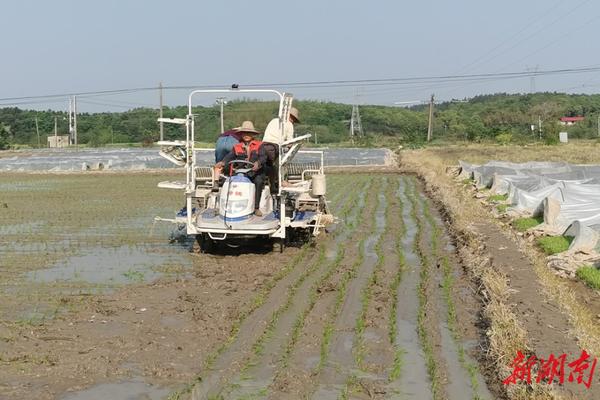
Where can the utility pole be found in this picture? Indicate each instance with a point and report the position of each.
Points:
(71, 129)
(37, 131)
(534, 71)
(540, 126)
(55, 128)
(430, 125)
(75, 120)
(160, 89)
(598, 125)
(221, 101)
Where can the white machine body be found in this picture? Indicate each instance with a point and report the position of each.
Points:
(236, 198)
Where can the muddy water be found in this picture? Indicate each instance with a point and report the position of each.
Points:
(459, 380)
(101, 265)
(413, 381)
(133, 389)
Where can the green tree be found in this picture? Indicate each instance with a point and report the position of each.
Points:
(4, 136)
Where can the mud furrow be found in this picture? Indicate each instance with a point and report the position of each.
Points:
(341, 363)
(400, 235)
(294, 379)
(428, 318)
(229, 360)
(462, 372)
(281, 336)
(410, 364)
(260, 372)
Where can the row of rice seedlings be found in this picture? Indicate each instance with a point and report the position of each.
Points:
(367, 291)
(343, 286)
(347, 230)
(258, 346)
(256, 302)
(393, 290)
(299, 323)
(447, 288)
(422, 293)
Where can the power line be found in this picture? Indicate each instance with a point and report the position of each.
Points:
(333, 83)
(509, 39)
(543, 28)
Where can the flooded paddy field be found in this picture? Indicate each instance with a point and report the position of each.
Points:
(95, 301)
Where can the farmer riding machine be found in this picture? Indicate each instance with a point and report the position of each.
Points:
(220, 209)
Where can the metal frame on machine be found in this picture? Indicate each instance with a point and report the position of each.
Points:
(284, 107)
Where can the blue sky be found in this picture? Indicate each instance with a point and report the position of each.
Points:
(60, 46)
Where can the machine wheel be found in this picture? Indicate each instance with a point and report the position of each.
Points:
(278, 245)
(206, 244)
(296, 237)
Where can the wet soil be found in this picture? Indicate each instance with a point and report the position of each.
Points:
(236, 326)
(160, 332)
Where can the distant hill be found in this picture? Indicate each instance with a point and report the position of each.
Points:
(479, 118)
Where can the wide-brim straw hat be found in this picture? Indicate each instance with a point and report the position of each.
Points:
(294, 113)
(247, 127)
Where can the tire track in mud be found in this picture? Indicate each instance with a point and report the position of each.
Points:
(340, 368)
(271, 317)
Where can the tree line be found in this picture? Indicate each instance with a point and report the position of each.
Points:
(502, 117)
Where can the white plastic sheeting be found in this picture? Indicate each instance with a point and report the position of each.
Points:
(567, 195)
(148, 158)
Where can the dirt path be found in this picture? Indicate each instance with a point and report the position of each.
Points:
(547, 328)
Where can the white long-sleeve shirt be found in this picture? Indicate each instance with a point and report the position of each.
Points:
(273, 135)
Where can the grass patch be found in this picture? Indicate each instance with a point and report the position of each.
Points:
(590, 276)
(522, 224)
(502, 207)
(554, 244)
(133, 275)
(498, 197)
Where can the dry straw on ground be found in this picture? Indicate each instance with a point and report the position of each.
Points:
(505, 333)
